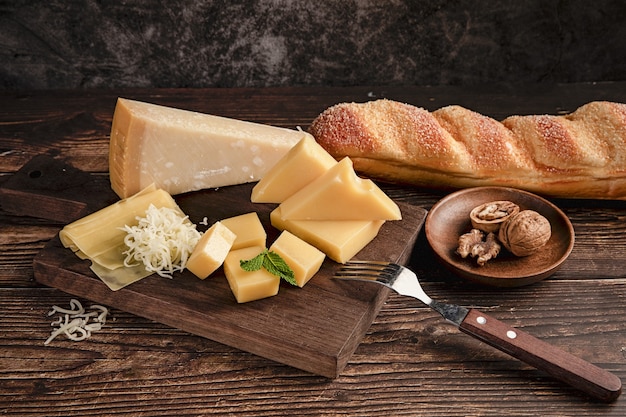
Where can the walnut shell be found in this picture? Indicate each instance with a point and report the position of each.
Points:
(489, 217)
(525, 232)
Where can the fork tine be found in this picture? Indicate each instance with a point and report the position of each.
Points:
(368, 263)
(394, 276)
(380, 271)
(353, 269)
(358, 261)
(370, 266)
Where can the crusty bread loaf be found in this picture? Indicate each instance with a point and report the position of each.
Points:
(579, 155)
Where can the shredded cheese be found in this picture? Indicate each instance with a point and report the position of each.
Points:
(162, 240)
(75, 321)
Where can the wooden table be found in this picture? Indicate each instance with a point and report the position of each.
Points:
(410, 362)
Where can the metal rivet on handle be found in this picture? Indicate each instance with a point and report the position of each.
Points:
(481, 320)
(511, 334)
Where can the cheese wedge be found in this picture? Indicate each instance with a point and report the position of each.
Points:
(249, 285)
(211, 250)
(303, 258)
(248, 229)
(301, 165)
(340, 194)
(182, 151)
(340, 240)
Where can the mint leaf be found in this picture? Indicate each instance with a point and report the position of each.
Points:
(276, 265)
(273, 263)
(253, 264)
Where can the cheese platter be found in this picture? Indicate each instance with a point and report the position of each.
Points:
(315, 328)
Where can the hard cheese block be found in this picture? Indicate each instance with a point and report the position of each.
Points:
(182, 151)
(315, 328)
(340, 240)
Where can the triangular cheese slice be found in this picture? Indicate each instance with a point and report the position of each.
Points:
(340, 194)
(300, 166)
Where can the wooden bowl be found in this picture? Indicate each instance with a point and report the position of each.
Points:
(449, 218)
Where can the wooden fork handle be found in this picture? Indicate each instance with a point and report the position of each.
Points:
(568, 368)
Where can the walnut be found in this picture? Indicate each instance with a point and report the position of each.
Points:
(467, 242)
(525, 233)
(489, 217)
(472, 244)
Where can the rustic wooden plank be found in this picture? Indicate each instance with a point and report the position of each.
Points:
(409, 362)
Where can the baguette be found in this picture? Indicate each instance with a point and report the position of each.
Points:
(579, 155)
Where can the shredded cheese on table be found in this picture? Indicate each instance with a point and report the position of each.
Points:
(162, 240)
(75, 321)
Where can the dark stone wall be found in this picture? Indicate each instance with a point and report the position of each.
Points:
(184, 43)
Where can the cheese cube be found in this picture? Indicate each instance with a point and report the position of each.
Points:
(340, 194)
(211, 250)
(303, 258)
(249, 285)
(248, 228)
(180, 150)
(301, 165)
(340, 240)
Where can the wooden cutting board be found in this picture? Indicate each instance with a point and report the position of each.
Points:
(315, 328)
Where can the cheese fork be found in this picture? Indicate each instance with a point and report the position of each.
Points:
(570, 369)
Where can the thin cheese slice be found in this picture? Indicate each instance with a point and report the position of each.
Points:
(340, 240)
(119, 278)
(340, 194)
(99, 236)
(180, 150)
(301, 165)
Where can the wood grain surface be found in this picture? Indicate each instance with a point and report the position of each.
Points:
(410, 362)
